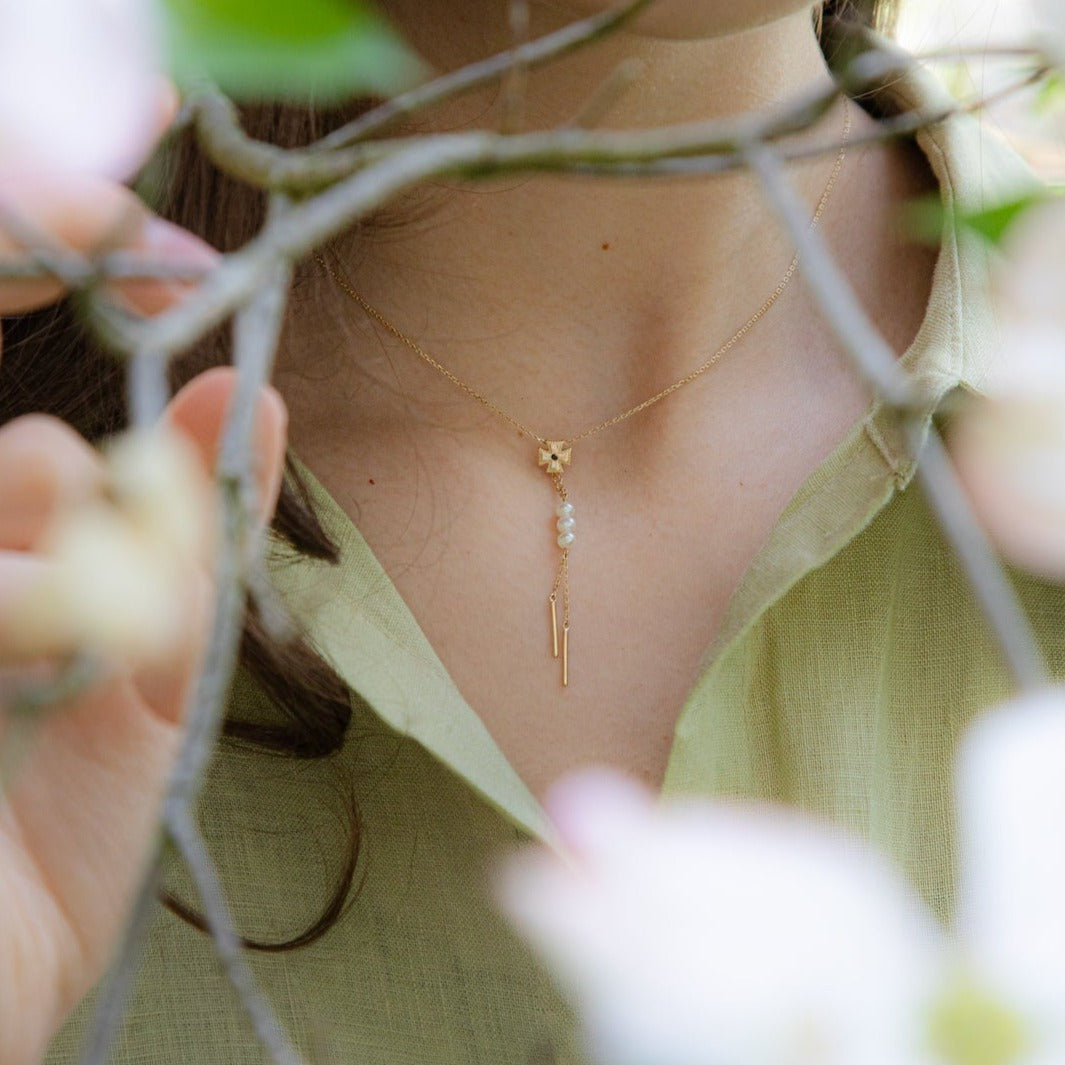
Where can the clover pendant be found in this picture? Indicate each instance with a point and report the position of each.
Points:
(554, 455)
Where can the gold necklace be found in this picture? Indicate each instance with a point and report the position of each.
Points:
(555, 455)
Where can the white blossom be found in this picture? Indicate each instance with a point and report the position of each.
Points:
(706, 933)
(79, 84)
(117, 568)
(1011, 802)
(1010, 448)
(700, 934)
(156, 477)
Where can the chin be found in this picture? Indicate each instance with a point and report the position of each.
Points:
(690, 19)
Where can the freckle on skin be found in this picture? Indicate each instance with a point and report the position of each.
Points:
(606, 246)
(372, 481)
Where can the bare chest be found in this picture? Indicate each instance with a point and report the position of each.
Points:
(469, 542)
(671, 508)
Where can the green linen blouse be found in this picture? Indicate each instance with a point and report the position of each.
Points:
(851, 659)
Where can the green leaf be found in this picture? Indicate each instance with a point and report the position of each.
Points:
(926, 219)
(288, 49)
(993, 222)
(1051, 95)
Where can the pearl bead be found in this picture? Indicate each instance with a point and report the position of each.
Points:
(565, 539)
(564, 510)
(566, 524)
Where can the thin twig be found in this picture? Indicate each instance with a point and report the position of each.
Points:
(227, 944)
(315, 220)
(224, 141)
(872, 355)
(876, 362)
(474, 155)
(42, 248)
(136, 266)
(256, 332)
(147, 387)
(30, 267)
(118, 329)
(534, 54)
(994, 592)
(616, 84)
(332, 158)
(76, 271)
(256, 344)
(222, 138)
(892, 128)
(80, 673)
(110, 1008)
(515, 81)
(984, 51)
(23, 704)
(304, 172)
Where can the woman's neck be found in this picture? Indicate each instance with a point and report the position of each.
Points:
(565, 299)
(680, 80)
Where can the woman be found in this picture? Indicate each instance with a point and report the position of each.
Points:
(757, 606)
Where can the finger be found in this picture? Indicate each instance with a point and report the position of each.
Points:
(200, 410)
(160, 241)
(167, 105)
(44, 466)
(87, 216)
(84, 807)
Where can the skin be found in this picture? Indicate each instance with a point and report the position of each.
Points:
(567, 301)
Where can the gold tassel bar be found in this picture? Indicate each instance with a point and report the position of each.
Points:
(565, 656)
(554, 626)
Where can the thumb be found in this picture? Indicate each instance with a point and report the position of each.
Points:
(199, 411)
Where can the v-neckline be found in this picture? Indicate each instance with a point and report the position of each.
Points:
(356, 616)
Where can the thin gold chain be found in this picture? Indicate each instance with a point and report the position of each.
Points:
(669, 389)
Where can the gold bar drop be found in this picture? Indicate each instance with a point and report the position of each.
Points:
(554, 626)
(565, 656)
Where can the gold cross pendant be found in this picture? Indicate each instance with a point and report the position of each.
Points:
(554, 455)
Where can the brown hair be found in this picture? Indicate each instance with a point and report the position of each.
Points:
(84, 387)
(880, 15)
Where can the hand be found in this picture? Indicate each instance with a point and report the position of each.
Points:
(78, 815)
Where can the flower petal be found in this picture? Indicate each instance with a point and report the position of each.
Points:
(79, 84)
(1011, 802)
(693, 932)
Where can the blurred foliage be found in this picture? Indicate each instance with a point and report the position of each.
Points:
(288, 49)
(927, 219)
(1051, 97)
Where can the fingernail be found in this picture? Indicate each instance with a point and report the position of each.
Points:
(174, 244)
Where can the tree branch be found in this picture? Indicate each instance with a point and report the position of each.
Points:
(118, 986)
(264, 1022)
(147, 388)
(531, 55)
(256, 333)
